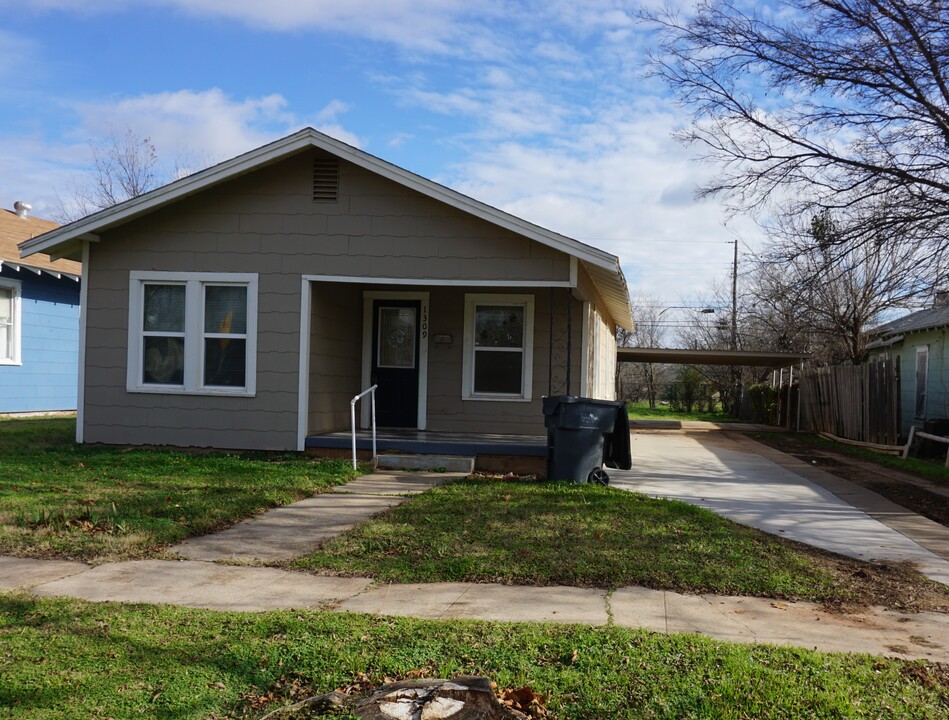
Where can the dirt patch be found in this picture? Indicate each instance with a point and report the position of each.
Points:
(931, 675)
(898, 487)
(889, 585)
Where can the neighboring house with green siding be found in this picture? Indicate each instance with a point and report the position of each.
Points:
(920, 340)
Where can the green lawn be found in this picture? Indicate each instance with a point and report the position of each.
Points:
(482, 530)
(97, 503)
(642, 411)
(64, 659)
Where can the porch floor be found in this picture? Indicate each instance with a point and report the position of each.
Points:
(430, 442)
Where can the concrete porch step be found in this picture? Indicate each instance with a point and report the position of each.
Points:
(446, 463)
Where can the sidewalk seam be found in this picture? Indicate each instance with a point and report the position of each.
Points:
(454, 602)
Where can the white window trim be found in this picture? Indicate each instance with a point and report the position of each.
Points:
(17, 326)
(194, 283)
(472, 300)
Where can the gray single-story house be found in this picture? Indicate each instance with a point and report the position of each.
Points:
(920, 340)
(244, 306)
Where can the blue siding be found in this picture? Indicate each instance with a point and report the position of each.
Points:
(47, 377)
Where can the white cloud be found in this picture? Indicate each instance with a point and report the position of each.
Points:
(622, 184)
(17, 54)
(332, 110)
(399, 139)
(208, 122)
(340, 133)
(426, 25)
(410, 22)
(327, 121)
(497, 110)
(35, 170)
(190, 130)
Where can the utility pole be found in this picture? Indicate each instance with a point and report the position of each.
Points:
(736, 375)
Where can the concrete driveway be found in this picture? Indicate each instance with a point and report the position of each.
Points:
(750, 483)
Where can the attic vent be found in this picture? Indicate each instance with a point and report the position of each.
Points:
(325, 180)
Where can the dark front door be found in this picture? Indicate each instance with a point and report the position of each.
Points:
(395, 345)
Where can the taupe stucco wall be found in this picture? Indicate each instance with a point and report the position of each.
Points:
(601, 342)
(446, 408)
(267, 223)
(335, 354)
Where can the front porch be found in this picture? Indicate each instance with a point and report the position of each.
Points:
(493, 452)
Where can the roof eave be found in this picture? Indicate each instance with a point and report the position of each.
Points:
(52, 272)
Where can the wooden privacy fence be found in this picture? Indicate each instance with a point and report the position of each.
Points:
(856, 402)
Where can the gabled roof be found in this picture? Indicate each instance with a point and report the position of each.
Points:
(603, 267)
(927, 319)
(14, 230)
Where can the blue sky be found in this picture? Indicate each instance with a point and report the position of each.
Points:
(539, 108)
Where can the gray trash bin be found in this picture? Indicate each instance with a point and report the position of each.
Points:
(579, 431)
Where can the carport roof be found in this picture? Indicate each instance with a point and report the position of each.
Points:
(709, 357)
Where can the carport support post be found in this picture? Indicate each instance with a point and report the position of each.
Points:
(800, 396)
(790, 389)
(777, 420)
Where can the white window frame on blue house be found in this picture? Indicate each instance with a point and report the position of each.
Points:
(13, 324)
(193, 332)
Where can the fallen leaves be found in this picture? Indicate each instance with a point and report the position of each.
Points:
(525, 700)
(292, 689)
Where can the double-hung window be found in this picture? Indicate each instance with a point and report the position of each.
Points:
(9, 322)
(498, 347)
(192, 333)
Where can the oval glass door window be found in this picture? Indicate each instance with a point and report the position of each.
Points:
(396, 341)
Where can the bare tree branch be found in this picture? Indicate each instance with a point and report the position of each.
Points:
(819, 105)
(124, 165)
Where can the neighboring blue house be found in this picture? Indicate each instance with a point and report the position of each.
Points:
(921, 341)
(39, 321)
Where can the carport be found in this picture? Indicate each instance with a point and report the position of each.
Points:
(675, 356)
(734, 358)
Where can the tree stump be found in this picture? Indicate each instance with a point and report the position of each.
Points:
(464, 698)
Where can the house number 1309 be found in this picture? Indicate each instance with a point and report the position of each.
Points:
(424, 322)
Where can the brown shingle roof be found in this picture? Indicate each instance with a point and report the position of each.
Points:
(14, 230)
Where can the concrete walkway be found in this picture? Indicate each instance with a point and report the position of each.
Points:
(299, 528)
(730, 474)
(734, 619)
(750, 483)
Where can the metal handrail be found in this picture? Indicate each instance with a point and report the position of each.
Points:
(352, 416)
